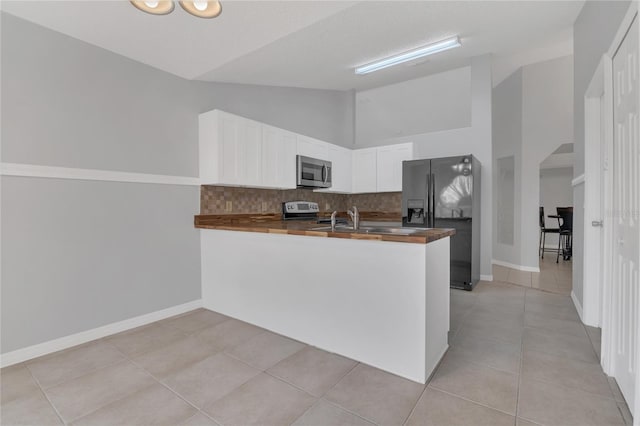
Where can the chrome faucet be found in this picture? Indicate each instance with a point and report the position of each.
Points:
(333, 221)
(355, 217)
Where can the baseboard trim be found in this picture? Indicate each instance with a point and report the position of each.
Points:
(30, 352)
(579, 180)
(577, 304)
(514, 266)
(52, 172)
(486, 277)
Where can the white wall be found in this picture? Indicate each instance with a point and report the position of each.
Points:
(507, 142)
(547, 123)
(538, 103)
(474, 139)
(76, 254)
(429, 104)
(555, 191)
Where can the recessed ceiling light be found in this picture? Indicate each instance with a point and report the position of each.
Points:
(202, 8)
(157, 7)
(420, 52)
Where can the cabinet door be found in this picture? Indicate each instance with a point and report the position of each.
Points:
(364, 170)
(313, 148)
(230, 149)
(250, 139)
(278, 158)
(341, 175)
(389, 166)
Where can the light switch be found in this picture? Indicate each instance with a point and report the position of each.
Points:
(228, 206)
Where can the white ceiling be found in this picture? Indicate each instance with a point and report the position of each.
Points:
(313, 44)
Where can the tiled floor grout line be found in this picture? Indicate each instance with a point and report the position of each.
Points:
(469, 400)
(41, 389)
(524, 309)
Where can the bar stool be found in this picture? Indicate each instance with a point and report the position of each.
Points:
(565, 240)
(543, 234)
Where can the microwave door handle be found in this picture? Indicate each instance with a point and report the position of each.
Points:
(324, 173)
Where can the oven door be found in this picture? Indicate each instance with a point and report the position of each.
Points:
(313, 173)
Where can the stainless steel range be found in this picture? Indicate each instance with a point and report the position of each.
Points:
(300, 210)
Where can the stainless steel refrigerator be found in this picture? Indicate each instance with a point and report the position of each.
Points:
(445, 193)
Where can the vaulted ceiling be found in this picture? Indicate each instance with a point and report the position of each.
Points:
(313, 44)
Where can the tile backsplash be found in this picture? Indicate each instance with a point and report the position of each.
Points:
(214, 200)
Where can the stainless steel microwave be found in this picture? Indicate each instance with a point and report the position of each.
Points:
(312, 172)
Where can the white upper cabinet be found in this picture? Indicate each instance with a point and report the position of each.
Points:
(341, 175)
(364, 170)
(237, 151)
(313, 148)
(278, 158)
(389, 166)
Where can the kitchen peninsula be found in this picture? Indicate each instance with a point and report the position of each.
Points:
(376, 298)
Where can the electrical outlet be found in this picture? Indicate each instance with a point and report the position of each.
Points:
(327, 206)
(264, 206)
(228, 206)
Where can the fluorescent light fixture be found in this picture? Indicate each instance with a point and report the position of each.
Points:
(420, 52)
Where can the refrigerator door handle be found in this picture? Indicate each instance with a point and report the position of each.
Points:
(433, 200)
(427, 214)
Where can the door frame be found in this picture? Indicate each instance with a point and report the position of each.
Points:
(597, 293)
(598, 138)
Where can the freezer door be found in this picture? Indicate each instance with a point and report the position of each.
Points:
(415, 187)
(452, 181)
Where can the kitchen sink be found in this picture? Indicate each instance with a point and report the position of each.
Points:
(374, 230)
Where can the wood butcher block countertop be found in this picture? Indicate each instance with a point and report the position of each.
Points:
(273, 224)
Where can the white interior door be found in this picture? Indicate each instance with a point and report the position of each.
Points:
(624, 218)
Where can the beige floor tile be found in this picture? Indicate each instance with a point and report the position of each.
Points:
(380, 397)
(155, 405)
(553, 405)
(545, 298)
(563, 345)
(199, 420)
(494, 329)
(31, 409)
(313, 370)
(500, 355)
(74, 362)
(266, 350)
(551, 311)
(193, 321)
(541, 322)
(16, 381)
(81, 396)
(522, 278)
(176, 356)
(229, 334)
(263, 400)
(509, 313)
(145, 339)
(523, 422)
(478, 383)
(436, 408)
(499, 289)
(544, 283)
(210, 379)
(324, 414)
(565, 371)
(500, 273)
